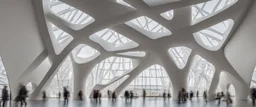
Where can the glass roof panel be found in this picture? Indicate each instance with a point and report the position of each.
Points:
(84, 51)
(123, 3)
(60, 36)
(215, 35)
(134, 53)
(200, 75)
(180, 55)
(69, 13)
(149, 27)
(168, 15)
(113, 37)
(203, 10)
(149, 24)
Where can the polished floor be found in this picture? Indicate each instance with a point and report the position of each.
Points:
(148, 102)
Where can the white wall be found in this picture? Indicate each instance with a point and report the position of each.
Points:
(241, 51)
(20, 42)
(241, 89)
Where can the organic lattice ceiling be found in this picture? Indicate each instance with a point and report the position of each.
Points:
(159, 33)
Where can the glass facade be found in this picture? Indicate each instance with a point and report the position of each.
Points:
(113, 86)
(200, 75)
(154, 80)
(106, 70)
(63, 78)
(253, 82)
(3, 76)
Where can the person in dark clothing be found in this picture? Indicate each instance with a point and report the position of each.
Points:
(164, 95)
(23, 94)
(109, 94)
(253, 95)
(126, 95)
(191, 95)
(80, 95)
(5, 96)
(197, 94)
(205, 96)
(44, 96)
(144, 94)
(182, 96)
(113, 96)
(95, 95)
(222, 94)
(218, 98)
(187, 95)
(169, 95)
(66, 95)
(59, 96)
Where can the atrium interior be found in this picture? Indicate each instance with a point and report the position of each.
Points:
(157, 46)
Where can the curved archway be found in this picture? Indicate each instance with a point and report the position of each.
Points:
(218, 90)
(30, 87)
(231, 89)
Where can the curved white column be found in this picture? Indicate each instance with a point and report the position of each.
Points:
(214, 85)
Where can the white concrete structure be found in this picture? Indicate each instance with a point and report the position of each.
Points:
(200, 44)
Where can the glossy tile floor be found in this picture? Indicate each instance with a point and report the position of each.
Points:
(149, 102)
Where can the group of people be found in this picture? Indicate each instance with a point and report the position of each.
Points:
(66, 95)
(168, 95)
(227, 97)
(96, 96)
(22, 95)
(128, 95)
(183, 95)
(112, 95)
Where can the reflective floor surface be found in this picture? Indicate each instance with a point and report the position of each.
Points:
(139, 102)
